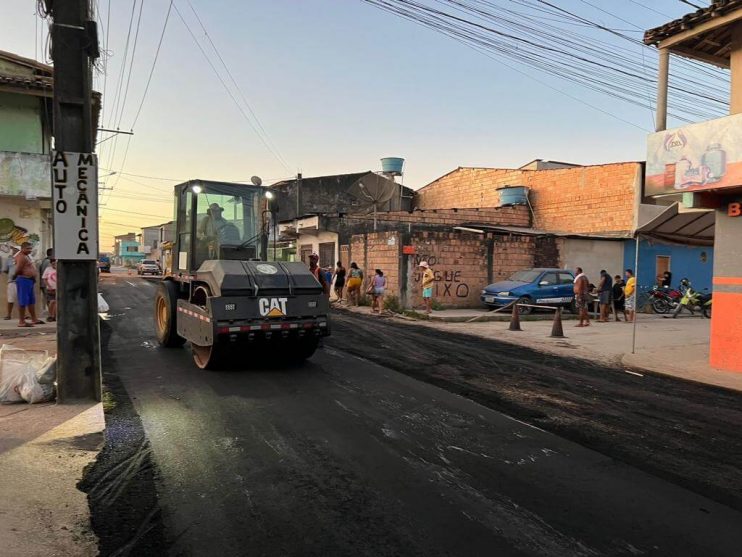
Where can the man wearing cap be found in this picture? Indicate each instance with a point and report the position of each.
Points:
(428, 278)
(318, 273)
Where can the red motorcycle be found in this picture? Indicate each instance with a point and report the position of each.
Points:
(664, 299)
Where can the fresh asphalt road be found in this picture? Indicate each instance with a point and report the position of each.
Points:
(344, 457)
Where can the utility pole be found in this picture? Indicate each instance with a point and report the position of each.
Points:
(74, 179)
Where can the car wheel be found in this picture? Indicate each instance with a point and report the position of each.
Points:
(524, 310)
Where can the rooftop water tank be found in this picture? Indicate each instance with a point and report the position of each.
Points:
(513, 195)
(392, 165)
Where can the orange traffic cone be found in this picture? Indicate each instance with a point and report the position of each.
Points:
(556, 328)
(515, 319)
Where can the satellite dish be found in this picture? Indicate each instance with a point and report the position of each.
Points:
(371, 192)
(256, 181)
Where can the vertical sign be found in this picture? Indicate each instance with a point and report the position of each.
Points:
(75, 200)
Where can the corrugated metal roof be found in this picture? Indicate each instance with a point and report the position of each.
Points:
(688, 227)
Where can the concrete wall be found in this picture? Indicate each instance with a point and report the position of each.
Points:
(590, 200)
(592, 256)
(21, 221)
(315, 240)
(726, 321)
(22, 123)
(691, 262)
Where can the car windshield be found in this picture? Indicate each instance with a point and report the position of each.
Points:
(149, 262)
(525, 276)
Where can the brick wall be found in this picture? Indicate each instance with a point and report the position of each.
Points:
(503, 216)
(383, 253)
(463, 263)
(589, 200)
(459, 261)
(467, 187)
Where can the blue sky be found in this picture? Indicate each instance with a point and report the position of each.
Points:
(337, 84)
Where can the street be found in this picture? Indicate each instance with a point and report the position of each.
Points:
(347, 456)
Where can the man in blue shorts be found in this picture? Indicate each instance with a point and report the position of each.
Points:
(26, 276)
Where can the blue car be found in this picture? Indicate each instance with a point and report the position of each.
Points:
(548, 287)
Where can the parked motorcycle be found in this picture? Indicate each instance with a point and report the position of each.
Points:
(707, 308)
(664, 299)
(693, 300)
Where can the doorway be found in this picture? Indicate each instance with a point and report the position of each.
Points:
(327, 254)
(662, 264)
(305, 250)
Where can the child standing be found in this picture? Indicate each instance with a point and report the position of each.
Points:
(50, 280)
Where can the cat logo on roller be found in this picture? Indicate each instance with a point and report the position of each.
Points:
(272, 307)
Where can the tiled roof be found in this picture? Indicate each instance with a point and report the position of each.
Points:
(688, 21)
(27, 82)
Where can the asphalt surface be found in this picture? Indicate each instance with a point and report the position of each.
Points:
(342, 456)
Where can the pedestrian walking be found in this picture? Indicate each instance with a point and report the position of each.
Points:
(50, 280)
(619, 298)
(26, 276)
(319, 273)
(427, 281)
(11, 290)
(378, 284)
(630, 293)
(582, 297)
(43, 266)
(339, 280)
(605, 291)
(355, 281)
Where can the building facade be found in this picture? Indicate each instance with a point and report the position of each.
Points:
(703, 162)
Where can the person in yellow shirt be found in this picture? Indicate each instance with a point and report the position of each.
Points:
(630, 293)
(428, 279)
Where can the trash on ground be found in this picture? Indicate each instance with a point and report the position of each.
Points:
(26, 375)
(102, 305)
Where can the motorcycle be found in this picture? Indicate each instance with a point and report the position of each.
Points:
(664, 299)
(693, 300)
(707, 308)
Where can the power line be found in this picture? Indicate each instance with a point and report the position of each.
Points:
(239, 89)
(229, 92)
(154, 64)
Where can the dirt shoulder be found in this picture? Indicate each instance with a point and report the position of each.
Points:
(681, 431)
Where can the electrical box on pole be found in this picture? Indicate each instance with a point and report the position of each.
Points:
(75, 200)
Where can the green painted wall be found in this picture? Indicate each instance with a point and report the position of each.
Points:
(20, 123)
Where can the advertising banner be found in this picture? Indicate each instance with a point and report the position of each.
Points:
(698, 157)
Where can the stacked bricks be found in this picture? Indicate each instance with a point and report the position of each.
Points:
(585, 200)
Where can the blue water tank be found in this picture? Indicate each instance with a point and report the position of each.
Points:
(392, 165)
(513, 195)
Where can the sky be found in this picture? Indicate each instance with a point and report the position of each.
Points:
(336, 85)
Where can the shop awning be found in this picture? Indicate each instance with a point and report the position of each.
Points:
(678, 225)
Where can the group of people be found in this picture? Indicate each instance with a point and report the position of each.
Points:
(613, 295)
(351, 281)
(23, 274)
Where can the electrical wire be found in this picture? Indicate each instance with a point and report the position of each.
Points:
(231, 95)
(154, 64)
(239, 89)
(537, 38)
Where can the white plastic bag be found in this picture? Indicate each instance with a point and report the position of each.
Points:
(12, 377)
(102, 305)
(26, 375)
